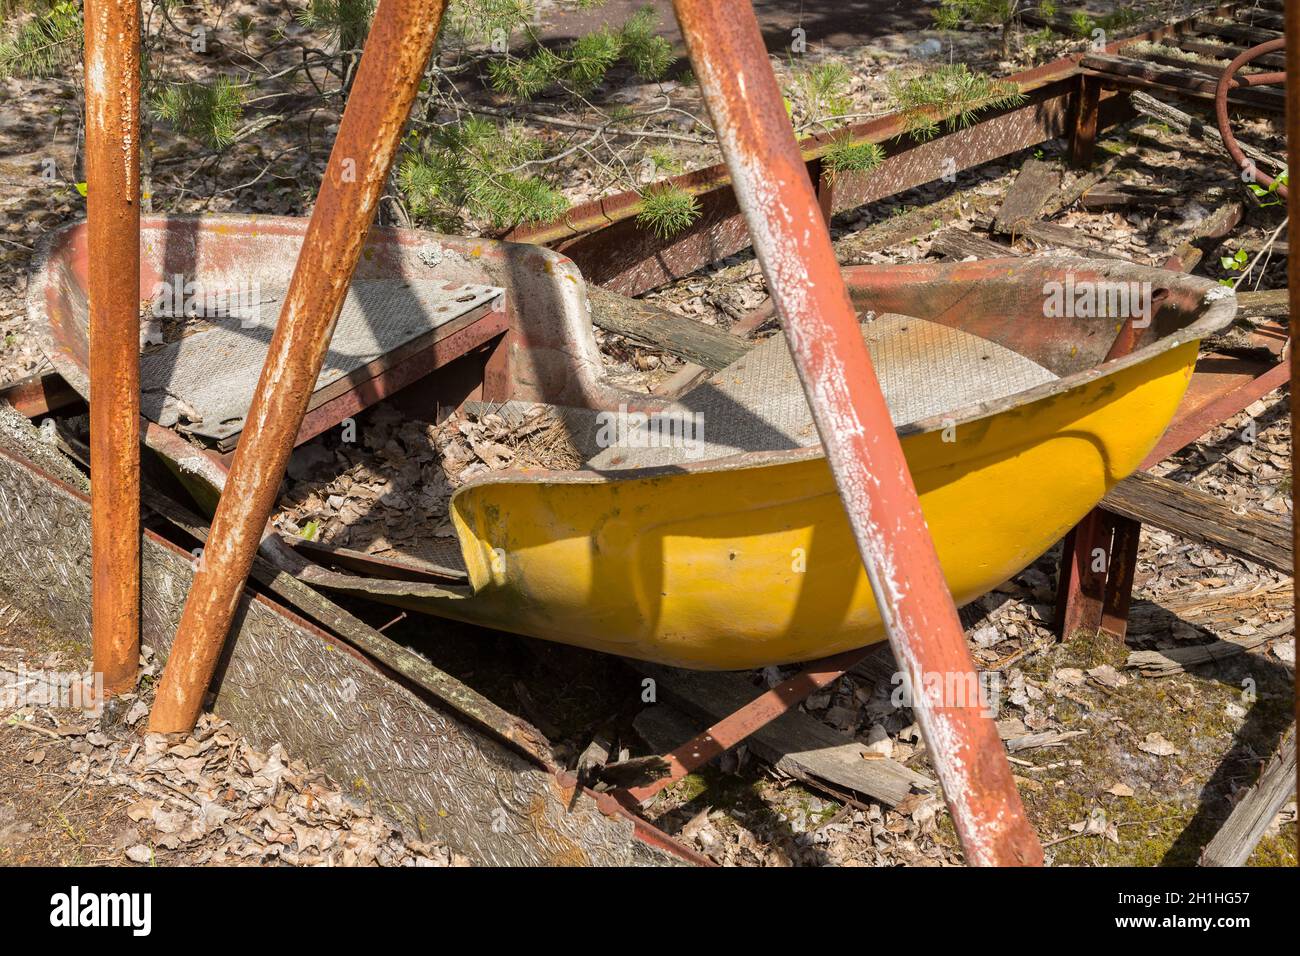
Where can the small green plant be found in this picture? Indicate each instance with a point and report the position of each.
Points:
(950, 95)
(843, 156)
(1003, 14)
(342, 22)
(820, 94)
(667, 210)
(476, 167)
(208, 112)
(1268, 196)
(1234, 263)
(44, 44)
(580, 66)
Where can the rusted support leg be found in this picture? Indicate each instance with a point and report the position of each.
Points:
(825, 180)
(1118, 593)
(862, 448)
(396, 51)
(1087, 111)
(112, 68)
(1081, 588)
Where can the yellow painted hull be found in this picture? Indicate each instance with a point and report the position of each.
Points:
(749, 561)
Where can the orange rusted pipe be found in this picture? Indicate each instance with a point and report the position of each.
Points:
(112, 67)
(401, 39)
(793, 246)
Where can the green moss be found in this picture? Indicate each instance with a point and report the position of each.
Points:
(1276, 850)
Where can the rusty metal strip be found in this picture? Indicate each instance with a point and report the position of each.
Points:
(398, 47)
(39, 395)
(794, 248)
(755, 715)
(112, 68)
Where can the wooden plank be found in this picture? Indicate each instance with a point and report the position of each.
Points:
(1050, 234)
(794, 743)
(907, 226)
(1271, 304)
(1187, 253)
(1177, 660)
(646, 324)
(1027, 195)
(1123, 197)
(1246, 825)
(1280, 248)
(1189, 81)
(1069, 194)
(1250, 36)
(958, 244)
(1203, 518)
(1197, 128)
(1224, 51)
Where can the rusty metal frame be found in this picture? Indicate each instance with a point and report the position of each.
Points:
(861, 453)
(602, 237)
(400, 42)
(793, 246)
(112, 67)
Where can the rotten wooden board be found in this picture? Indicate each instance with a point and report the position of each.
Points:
(1176, 660)
(1250, 819)
(1070, 193)
(1035, 184)
(794, 743)
(1050, 235)
(905, 227)
(1200, 517)
(1271, 304)
(958, 244)
(647, 324)
(1196, 127)
(1188, 82)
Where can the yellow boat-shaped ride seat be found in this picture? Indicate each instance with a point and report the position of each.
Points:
(711, 535)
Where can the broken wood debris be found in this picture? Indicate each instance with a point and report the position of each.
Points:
(794, 743)
(1176, 660)
(1252, 816)
(1202, 518)
(647, 324)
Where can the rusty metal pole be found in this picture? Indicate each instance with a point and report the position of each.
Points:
(112, 66)
(401, 39)
(793, 246)
(1292, 24)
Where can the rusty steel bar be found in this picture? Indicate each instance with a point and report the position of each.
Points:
(794, 249)
(401, 39)
(1293, 263)
(112, 67)
(754, 716)
(1229, 81)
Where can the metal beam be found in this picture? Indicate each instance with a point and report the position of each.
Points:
(401, 39)
(112, 67)
(793, 246)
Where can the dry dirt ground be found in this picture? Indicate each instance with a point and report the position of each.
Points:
(1115, 765)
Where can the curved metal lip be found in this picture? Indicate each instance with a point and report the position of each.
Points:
(1219, 308)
